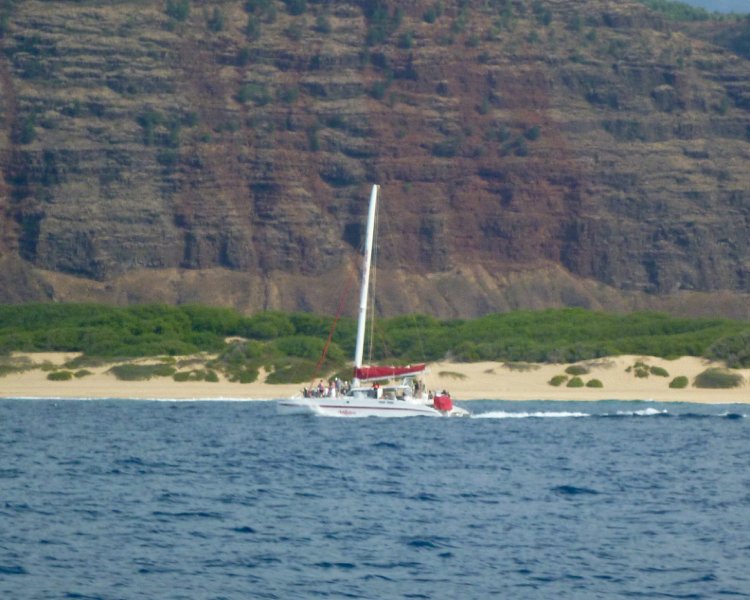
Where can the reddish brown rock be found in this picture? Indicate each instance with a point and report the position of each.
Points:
(530, 155)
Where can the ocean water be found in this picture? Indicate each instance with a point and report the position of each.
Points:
(222, 500)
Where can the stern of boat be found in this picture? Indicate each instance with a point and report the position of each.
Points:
(457, 411)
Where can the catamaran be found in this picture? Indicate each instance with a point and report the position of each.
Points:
(376, 391)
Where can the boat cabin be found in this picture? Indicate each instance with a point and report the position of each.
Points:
(388, 392)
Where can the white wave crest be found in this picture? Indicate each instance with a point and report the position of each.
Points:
(646, 412)
(501, 414)
(733, 415)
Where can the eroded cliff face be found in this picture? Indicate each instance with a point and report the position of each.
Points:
(530, 154)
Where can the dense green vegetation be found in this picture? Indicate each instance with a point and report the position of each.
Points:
(289, 346)
(715, 378)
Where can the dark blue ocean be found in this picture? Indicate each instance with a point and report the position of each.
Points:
(224, 500)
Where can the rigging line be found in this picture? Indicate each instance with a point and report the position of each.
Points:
(342, 300)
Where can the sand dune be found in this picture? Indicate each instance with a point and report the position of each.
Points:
(465, 381)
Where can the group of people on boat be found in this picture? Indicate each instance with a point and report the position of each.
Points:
(336, 388)
(333, 389)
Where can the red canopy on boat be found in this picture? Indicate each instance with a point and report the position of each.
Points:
(370, 373)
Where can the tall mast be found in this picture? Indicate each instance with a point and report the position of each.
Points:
(365, 281)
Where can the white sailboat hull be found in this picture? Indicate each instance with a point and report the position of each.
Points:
(363, 407)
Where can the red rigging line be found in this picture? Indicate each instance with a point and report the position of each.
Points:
(339, 309)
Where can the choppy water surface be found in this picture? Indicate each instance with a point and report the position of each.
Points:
(209, 500)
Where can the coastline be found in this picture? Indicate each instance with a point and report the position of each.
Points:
(465, 381)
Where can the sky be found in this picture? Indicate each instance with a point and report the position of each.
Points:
(742, 6)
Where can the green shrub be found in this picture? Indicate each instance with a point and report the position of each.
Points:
(641, 372)
(295, 31)
(24, 132)
(380, 24)
(378, 89)
(575, 382)
(239, 353)
(577, 370)
(179, 10)
(243, 375)
(196, 375)
(734, 349)
(431, 15)
(266, 325)
(215, 22)
(255, 92)
(679, 382)
(558, 380)
(296, 7)
(133, 372)
(659, 371)
(168, 158)
(7, 370)
(594, 383)
(311, 348)
(716, 378)
(253, 33)
(81, 373)
(323, 24)
(406, 40)
(60, 376)
(448, 147)
(292, 370)
(466, 352)
(532, 133)
(452, 375)
(288, 94)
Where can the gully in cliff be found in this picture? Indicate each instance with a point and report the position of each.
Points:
(376, 391)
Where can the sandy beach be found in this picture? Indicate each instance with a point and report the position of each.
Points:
(465, 381)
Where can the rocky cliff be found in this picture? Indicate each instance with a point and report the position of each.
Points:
(531, 154)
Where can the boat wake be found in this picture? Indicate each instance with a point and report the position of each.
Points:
(621, 414)
(502, 414)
